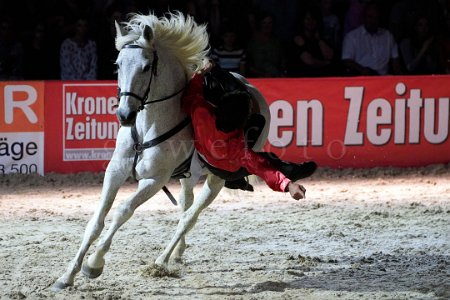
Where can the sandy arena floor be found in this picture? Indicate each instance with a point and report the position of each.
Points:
(360, 234)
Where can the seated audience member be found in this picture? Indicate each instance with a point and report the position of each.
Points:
(420, 52)
(229, 55)
(369, 49)
(310, 55)
(284, 17)
(78, 55)
(265, 54)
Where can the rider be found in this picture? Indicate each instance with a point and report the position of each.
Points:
(220, 139)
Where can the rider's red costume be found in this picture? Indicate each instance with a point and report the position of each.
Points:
(227, 151)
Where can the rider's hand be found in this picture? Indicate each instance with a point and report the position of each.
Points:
(296, 190)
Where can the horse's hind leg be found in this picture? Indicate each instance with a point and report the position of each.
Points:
(111, 184)
(186, 199)
(93, 267)
(210, 189)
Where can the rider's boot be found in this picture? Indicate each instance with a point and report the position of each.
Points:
(292, 171)
(239, 184)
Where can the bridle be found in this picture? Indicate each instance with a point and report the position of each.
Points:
(154, 72)
(138, 146)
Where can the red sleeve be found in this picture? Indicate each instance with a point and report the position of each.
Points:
(258, 165)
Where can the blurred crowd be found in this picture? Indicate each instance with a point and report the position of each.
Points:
(74, 39)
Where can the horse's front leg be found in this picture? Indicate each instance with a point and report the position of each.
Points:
(93, 267)
(210, 189)
(115, 175)
(186, 199)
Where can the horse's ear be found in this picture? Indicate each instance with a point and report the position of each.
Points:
(148, 33)
(118, 29)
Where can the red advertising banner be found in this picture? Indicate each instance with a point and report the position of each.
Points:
(338, 122)
(22, 127)
(81, 124)
(359, 121)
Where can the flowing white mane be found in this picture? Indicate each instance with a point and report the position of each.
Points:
(180, 35)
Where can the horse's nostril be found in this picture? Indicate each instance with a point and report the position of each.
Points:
(126, 119)
(120, 116)
(132, 116)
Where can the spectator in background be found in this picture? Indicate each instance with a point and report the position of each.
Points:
(64, 13)
(11, 52)
(369, 49)
(420, 51)
(78, 55)
(284, 17)
(311, 56)
(265, 55)
(230, 56)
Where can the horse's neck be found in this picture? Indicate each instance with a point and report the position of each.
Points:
(158, 118)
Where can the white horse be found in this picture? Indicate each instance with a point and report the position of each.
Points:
(157, 58)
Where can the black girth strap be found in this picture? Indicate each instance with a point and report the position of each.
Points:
(139, 147)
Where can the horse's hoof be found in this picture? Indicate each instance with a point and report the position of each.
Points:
(91, 272)
(59, 286)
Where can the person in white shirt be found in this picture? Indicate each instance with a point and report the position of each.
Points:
(369, 49)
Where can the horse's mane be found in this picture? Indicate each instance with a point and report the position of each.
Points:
(180, 35)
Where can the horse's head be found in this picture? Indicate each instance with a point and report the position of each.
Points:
(136, 66)
(175, 43)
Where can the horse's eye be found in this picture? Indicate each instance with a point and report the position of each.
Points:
(146, 68)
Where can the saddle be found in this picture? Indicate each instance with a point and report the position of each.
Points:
(218, 82)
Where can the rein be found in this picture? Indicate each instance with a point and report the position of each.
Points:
(139, 147)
